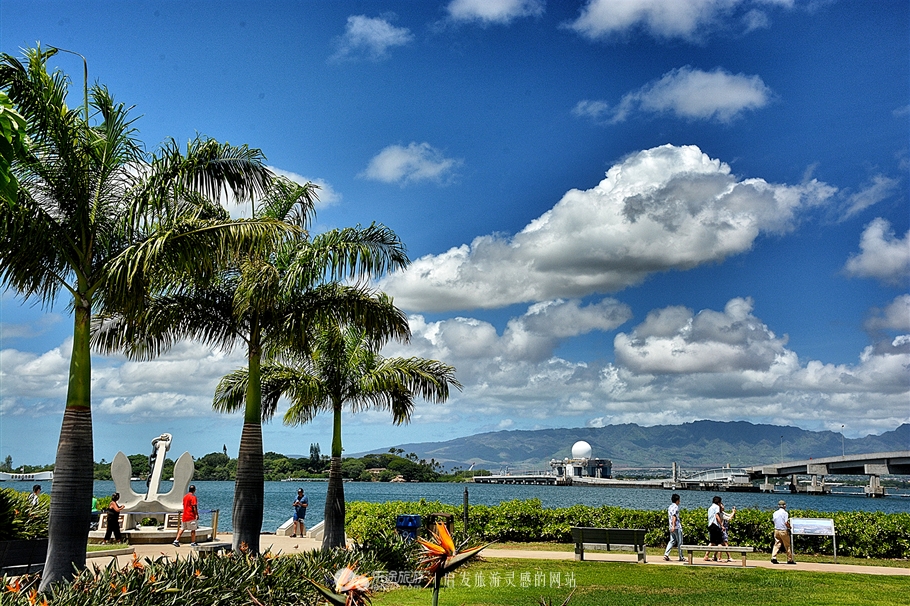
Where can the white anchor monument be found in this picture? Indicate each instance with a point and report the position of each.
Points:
(165, 507)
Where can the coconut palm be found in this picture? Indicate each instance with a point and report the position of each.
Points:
(343, 368)
(268, 300)
(95, 218)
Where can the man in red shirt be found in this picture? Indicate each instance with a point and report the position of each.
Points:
(190, 518)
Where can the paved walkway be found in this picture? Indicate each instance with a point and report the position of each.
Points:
(286, 545)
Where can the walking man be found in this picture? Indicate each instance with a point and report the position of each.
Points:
(676, 537)
(300, 505)
(782, 533)
(190, 517)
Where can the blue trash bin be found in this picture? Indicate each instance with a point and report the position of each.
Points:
(407, 525)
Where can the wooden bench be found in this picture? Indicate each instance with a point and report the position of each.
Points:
(608, 539)
(690, 549)
(21, 556)
(214, 547)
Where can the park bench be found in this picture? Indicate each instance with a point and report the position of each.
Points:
(609, 539)
(690, 549)
(22, 556)
(213, 547)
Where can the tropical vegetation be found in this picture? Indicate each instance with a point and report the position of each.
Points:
(12, 144)
(267, 580)
(343, 368)
(859, 533)
(19, 518)
(271, 300)
(93, 223)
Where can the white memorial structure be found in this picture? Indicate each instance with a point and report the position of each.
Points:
(165, 507)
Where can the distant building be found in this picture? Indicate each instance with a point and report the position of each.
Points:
(582, 464)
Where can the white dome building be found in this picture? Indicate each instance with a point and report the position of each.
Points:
(582, 464)
(581, 450)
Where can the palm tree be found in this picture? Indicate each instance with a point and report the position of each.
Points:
(344, 368)
(269, 300)
(96, 218)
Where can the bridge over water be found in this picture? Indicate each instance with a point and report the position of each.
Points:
(874, 465)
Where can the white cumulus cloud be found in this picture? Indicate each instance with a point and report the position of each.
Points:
(659, 209)
(674, 340)
(688, 93)
(883, 255)
(676, 19)
(370, 37)
(494, 11)
(411, 164)
(895, 316)
(676, 366)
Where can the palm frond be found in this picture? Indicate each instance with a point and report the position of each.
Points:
(289, 201)
(353, 253)
(150, 329)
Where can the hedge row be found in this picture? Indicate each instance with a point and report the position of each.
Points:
(19, 519)
(859, 533)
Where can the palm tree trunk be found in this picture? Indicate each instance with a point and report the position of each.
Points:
(71, 493)
(334, 508)
(249, 497)
(248, 489)
(334, 497)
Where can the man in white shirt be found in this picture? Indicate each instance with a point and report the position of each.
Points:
(782, 533)
(676, 538)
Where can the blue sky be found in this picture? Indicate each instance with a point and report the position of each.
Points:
(617, 211)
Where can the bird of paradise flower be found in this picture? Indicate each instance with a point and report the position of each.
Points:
(441, 557)
(349, 588)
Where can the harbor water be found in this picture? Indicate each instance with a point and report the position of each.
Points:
(279, 497)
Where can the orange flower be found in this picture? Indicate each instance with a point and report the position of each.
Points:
(14, 587)
(136, 563)
(442, 556)
(33, 596)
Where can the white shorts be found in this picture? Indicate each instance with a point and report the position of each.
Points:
(191, 525)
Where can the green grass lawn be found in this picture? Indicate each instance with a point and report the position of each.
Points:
(96, 547)
(516, 582)
(658, 552)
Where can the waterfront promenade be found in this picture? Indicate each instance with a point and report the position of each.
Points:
(289, 545)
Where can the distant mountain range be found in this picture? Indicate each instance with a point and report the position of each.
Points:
(691, 445)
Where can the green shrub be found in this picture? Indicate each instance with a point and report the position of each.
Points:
(19, 519)
(860, 534)
(208, 579)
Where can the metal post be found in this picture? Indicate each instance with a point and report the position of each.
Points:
(465, 510)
